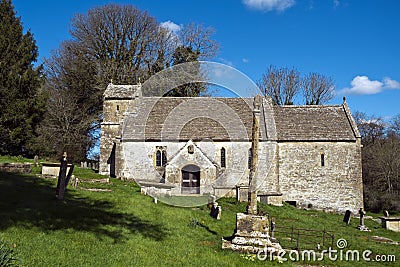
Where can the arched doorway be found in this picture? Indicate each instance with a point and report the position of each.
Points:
(190, 179)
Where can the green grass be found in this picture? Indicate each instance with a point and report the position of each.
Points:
(125, 228)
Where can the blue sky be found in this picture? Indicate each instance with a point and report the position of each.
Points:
(356, 42)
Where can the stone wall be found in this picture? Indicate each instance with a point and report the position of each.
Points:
(335, 186)
(113, 111)
(16, 167)
(139, 164)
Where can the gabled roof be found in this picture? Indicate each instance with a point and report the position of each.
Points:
(191, 118)
(114, 91)
(313, 123)
(228, 119)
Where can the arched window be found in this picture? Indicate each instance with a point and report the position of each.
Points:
(161, 156)
(158, 158)
(164, 158)
(223, 158)
(249, 159)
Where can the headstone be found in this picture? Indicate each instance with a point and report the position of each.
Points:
(215, 211)
(75, 181)
(347, 215)
(272, 227)
(36, 160)
(362, 227)
(362, 214)
(386, 213)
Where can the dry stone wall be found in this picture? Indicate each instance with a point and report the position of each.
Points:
(16, 167)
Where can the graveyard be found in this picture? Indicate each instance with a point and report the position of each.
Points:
(122, 227)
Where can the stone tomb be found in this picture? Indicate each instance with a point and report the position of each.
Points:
(391, 223)
(52, 169)
(252, 236)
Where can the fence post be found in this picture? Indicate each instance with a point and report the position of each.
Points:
(323, 237)
(298, 239)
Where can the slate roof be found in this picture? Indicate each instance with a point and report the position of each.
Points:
(114, 91)
(230, 119)
(185, 118)
(313, 123)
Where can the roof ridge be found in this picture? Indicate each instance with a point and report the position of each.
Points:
(310, 106)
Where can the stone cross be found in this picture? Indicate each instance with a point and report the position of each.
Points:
(252, 195)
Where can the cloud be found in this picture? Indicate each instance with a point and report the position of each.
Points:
(269, 5)
(391, 84)
(245, 60)
(336, 3)
(173, 27)
(362, 85)
(226, 62)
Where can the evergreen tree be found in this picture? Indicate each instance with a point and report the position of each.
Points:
(21, 106)
(186, 54)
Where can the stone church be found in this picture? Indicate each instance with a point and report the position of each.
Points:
(309, 156)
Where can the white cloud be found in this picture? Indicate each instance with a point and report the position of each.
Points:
(245, 60)
(226, 62)
(391, 84)
(269, 5)
(336, 3)
(362, 85)
(173, 27)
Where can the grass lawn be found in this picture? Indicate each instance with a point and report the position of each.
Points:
(125, 228)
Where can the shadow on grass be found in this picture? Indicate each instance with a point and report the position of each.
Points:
(30, 202)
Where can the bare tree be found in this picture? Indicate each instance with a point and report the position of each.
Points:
(394, 126)
(123, 40)
(281, 84)
(380, 162)
(198, 38)
(318, 89)
(73, 104)
(111, 43)
(371, 128)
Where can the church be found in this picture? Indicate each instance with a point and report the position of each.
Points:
(308, 156)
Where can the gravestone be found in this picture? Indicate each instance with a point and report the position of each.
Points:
(386, 213)
(272, 227)
(215, 211)
(362, 214)
(347, 215)
(362, 227)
